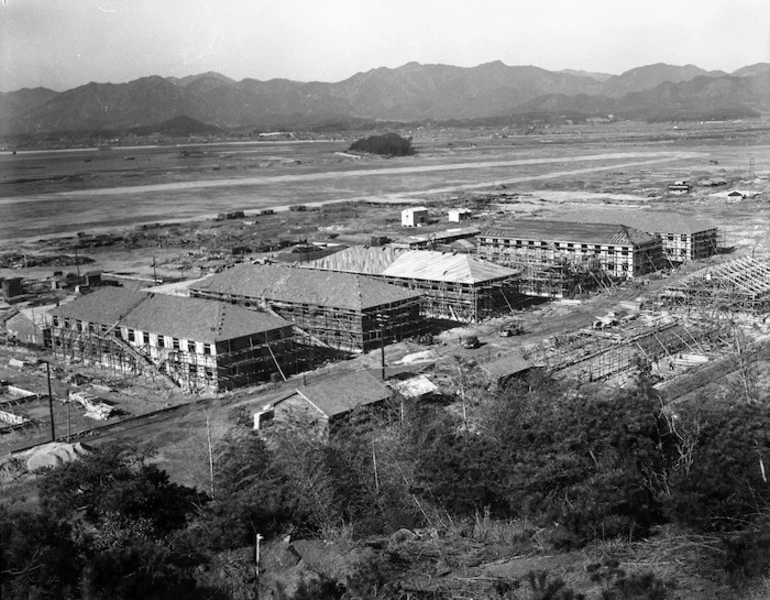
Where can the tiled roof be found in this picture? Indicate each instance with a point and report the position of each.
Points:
(305, 286)
(105, 306)
(569, 231)
(175, 316)
(343, 394)
(413, 264)
(651, 222)
(198, 320)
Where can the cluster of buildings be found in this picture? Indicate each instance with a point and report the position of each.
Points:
(253, 323)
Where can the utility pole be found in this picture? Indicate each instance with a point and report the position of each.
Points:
(77, 262)
(154, 273)
(50, 399)
(211, 458)
(381, 322)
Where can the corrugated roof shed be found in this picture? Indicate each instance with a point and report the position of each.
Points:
(413, 264)
(105, 306)
(343, 394)
(644, 220)
(439, 236)
(305, 286)
(414, 387)
(198, 320)
(569, 231)
(506, 366)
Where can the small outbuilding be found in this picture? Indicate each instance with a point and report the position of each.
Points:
(502, 371)
(320, 404)
(415, 216)
(12, 287)
(679, 188)
(457, 215)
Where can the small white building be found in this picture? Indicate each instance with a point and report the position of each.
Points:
(679, 188)
(456, 215)
(414, 216)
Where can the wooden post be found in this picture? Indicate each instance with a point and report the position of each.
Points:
(211, 456)
(50, 400)
(68, 418)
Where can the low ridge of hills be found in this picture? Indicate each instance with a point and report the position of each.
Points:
(410, 93)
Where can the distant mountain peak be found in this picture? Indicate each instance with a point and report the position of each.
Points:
(409, 93)
(210, 75)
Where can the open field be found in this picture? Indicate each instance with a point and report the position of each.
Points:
(59, 192)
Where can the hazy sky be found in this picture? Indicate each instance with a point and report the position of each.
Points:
(64, 43)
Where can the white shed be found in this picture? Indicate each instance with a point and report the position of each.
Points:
(414, 216)
(459, 214)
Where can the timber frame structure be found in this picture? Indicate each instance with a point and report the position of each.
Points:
(337, 310)
(684, 238)
(594, 355)
(738, 285)
(192, 344)
(559, 258)
(451, 286)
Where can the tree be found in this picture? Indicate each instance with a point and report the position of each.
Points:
(110, 526)
(723, 485)
(39, 558)
(389, 144)
(115, 482)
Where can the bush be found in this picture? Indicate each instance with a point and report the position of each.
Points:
(747, 555)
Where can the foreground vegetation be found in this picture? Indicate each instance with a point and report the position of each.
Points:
(577, 466)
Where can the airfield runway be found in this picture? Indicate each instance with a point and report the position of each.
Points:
(66, 212)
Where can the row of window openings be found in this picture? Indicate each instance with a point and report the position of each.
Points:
(175, 342)
(570, 246)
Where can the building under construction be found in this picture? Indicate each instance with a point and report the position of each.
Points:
(196, 344)
(452, 286)
(560, 259)
(338, 310)
(596, 354)
(738, 285)
(684, 238)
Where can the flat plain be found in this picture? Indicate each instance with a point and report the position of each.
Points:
(63, 192)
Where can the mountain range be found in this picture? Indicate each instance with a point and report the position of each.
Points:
(410, 93)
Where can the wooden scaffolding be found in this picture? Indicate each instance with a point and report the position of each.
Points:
(738, 285)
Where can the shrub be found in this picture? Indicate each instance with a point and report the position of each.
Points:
(723, 487)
